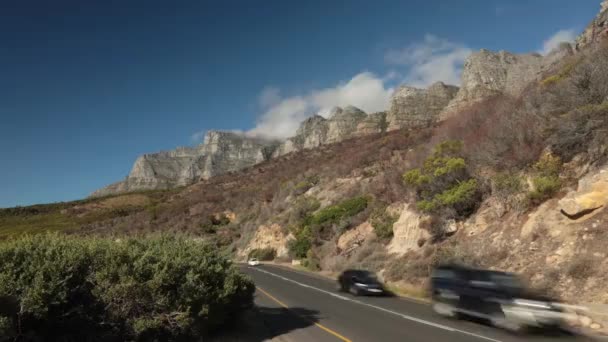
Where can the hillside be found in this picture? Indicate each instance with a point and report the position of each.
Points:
(509, 171)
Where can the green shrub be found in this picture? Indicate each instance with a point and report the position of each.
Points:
(443, 181)
(507, 184)
(460, 194)
(548, 165)
(544, 188)
(263, 254)
(302, 243)
(154, 288)
(383, 223)
(311, 261)
(335, 213)
(546, 182)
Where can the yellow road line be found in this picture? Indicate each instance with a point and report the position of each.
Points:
(326, 329)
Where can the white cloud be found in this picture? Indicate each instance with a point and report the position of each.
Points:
(282, 116)
(197, 137)
(558, 37)
(434, 59)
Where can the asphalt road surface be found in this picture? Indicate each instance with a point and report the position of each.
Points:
(297, 306)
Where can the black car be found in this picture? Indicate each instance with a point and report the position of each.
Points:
(359, 282)
(499, 297)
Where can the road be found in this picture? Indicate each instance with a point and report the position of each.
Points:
(298, 306)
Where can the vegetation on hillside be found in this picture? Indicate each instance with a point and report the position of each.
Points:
(149, 288)
(443, 183)
(323, 224)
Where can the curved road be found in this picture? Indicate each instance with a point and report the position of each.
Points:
(298, 306)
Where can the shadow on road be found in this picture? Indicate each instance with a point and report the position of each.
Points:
(265, 323)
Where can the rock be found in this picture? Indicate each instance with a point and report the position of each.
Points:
(372, 124)
(486, 73)
(537, 218)
(585, 321)
(412, 107)
(219, 153)
(342, 123)
(268, 236)
(355, 237)
(406, 231)
(596, 31)
(591, 195)
(595, 326)
(551, 259)
(451, 227)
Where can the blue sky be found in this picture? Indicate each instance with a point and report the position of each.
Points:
(87, 86)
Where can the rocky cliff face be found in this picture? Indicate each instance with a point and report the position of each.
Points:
(343, 123)
(487, 73)
(220, 152)
(412, 107)
(372, 124)
(597, 30)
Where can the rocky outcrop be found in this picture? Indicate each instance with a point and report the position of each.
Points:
(407, 232)
(372, 124)
(354, 238)
(268, 236)
(412, 107)
(487, 73)
(596, 31)
(311, 133)
(591, 195)
(220, 152)
(343, 123)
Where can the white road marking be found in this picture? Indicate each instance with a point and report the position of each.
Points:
(410, 318)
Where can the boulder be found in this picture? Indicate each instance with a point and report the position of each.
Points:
(591, 195)
(353, 238)
(407, 230)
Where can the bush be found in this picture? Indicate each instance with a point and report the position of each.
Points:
(383, 223)
(507, 184)
(334, 213)
(213, 222)
(580, 129)
(155, 288)
(263, 254)
(546, 182)
(305, 185)
(302, 243)
(544, 188)
(443, 182)
(311, 261)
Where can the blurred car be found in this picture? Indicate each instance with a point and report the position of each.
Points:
(253, 262)
(499, 297)
(359, 282)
